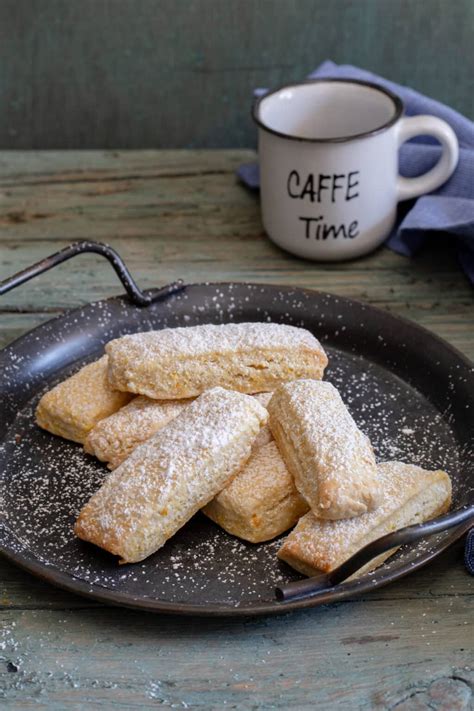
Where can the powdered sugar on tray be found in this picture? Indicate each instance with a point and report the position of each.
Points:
(45, 480)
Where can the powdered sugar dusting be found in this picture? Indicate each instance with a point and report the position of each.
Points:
(196, 341)
(114, 438)
(44, 481)
(172, 475)
(47, 480)
(325, 543)
(332, 460)
(184, 362)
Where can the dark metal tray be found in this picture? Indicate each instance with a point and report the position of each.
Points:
(411, 392)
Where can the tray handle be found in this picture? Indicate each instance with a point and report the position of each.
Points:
(136, 295)
(308, 587)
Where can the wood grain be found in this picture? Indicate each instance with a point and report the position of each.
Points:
(162, 74)
(177, 213)
(184, 214)
(361, 654)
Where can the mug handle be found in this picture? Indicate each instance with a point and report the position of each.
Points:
(412, 126)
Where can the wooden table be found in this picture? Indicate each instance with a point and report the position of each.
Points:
(183, 214)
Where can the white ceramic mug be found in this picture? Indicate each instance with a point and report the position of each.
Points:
(328, 153)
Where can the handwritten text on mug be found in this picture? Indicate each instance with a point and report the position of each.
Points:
(323, 189)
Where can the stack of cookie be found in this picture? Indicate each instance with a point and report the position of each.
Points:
(235, 420)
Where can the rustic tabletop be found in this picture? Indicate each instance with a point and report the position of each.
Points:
(183, 214)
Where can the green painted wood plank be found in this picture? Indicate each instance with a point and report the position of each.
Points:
(50, 166)
(69, 659)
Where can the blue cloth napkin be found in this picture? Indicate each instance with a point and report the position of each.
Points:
(448, 210)
(469, 552)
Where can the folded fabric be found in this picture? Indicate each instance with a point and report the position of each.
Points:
(448, 210)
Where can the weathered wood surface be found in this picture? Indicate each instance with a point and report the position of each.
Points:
(406, 646)
(162, 73)
(183, 214)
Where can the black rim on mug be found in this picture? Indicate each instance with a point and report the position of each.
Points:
(398, 109)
